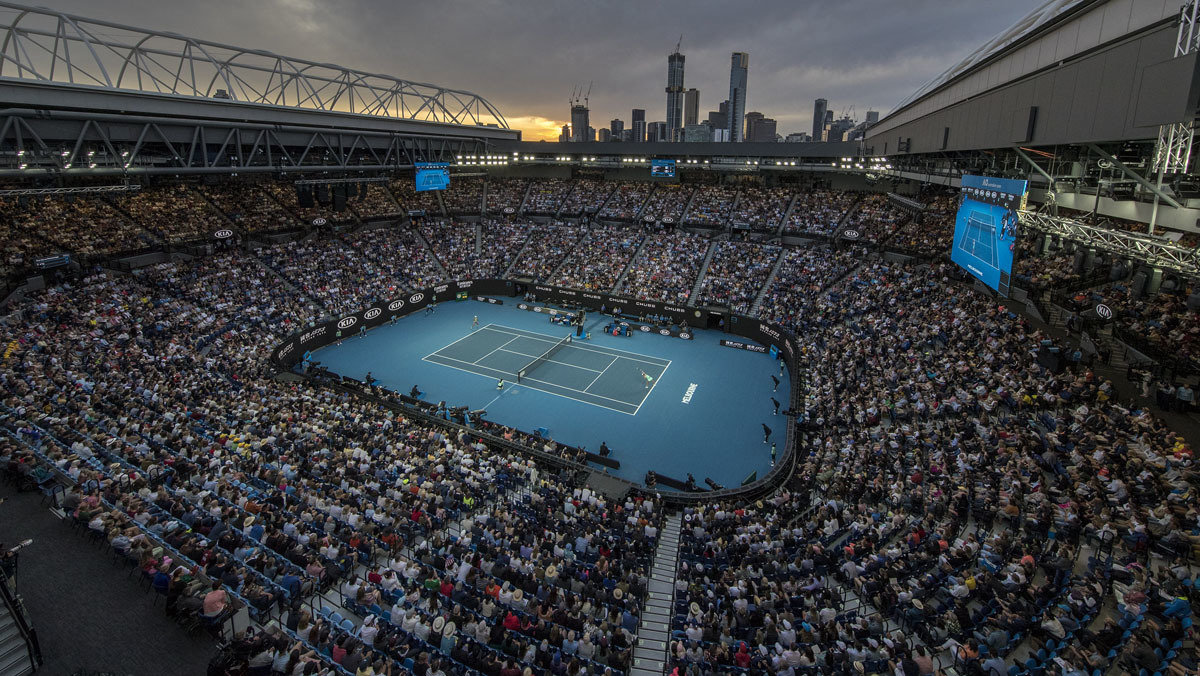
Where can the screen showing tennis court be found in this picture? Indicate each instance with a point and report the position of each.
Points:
(985, 229)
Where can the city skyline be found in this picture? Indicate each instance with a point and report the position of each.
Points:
(525, 57)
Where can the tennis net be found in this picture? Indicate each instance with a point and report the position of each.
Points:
(543, 358)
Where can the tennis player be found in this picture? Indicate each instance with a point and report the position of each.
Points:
(646, 377)
(475, 321)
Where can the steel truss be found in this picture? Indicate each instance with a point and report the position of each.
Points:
(90, 144)
(1159, 253)
(75, 190)
(44, 45)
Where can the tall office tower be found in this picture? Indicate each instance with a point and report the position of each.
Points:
(819, 108)
(740, 64)
(674, 93)
(616, 127)
(752, 118)
(565, 136)
(579, 123)
(691, 106)
(638, 125)
(605, 135)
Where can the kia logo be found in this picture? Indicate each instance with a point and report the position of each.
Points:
(1104, 311)
(372, 313)
(509, 210)
(685, 336)
(523, 306)
(395, 305)
(646, 329)
(416, 298)
(664, 332)
(538, 309)
(223, 234)
(319, 222)
(850, 234)
(347, 322)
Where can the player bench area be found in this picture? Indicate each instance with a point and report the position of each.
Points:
(601, 376)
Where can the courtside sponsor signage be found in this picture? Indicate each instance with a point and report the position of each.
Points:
(743, 346)
(395, 305)
(347, 322)
(315, 333)
(372, 314)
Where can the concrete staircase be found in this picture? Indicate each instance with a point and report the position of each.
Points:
(14, 654)
(525, 197)
(625, 273)
(688, 206)
(762, 293)
(654, 632)
(712, 248)
(528, 238)
(420, 238)
(786, 215)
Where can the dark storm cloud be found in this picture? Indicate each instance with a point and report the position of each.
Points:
(526, 56)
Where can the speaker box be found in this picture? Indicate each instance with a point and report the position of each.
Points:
(304, 197)
(323, 195)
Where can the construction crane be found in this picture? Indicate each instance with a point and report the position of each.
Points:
(585, 96)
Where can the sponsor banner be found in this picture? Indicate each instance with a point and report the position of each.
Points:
(851, 234)
(319, 221)
(668, 331)
(542, 309)
(742, 345)
(509, 210)
(223, 234)
(487, 299)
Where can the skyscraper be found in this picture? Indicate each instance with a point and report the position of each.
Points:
(615, 128)
(605, 135)
(579, 123)
(691, 106)
(638, 125)
(719, 118)
(752, 118)
(657, 131)
(674, 93)
(819, 108)
(740, 65)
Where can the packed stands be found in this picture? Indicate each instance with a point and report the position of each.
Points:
(818, 211)
(804, 273)
(875, 218)
(711, 205)
(504, 194)
(454, 243)
(547, 248)
(377, 204)
(250, 207)
(83, 224)
(599, 259)
(173, 213)
(737, 273)
(626, 201)
(762, 208)
(667, 203)
(405, 192)
(666, 268)
(546, 196)
(586, 197)
(464, 196)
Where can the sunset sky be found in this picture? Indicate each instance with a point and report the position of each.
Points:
(526, 57)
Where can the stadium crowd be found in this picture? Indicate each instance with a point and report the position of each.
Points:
(956, 502)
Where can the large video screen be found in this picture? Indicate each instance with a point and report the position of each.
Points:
(432, 176)
(985, 228)
(664, 168)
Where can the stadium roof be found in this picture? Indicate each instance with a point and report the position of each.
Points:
(1026, 26)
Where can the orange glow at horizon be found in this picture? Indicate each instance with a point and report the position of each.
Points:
(536, 128)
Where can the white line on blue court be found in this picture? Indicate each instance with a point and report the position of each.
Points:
(535, 389)
(656, 380)
(482, 328)
(615, 360)
(601, 350)
(550, 361)
(493, 351)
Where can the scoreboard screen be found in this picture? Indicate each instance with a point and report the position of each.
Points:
(663, 168)
(432, 176)
(985, 228)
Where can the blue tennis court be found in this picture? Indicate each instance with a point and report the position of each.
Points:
(979, 238)
(596, 375)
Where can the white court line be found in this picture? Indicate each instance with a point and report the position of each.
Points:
(551, 361)
(615, 359)
(602, 350)
(664, 371)
(546, 382)
(494, 351)
(482, 328)
(536, 389)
